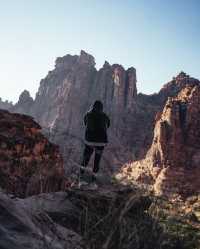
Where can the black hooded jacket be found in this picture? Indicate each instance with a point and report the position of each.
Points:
(96, 122)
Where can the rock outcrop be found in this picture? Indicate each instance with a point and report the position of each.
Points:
(29, 163)
(78, 219)
(24, 103)
(149, 107)
(173, 87)
(68, 92)
(23, 226)
(5, 105)
(172, 164)
(118, 217)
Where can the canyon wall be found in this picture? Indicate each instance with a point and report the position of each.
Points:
(69, 90)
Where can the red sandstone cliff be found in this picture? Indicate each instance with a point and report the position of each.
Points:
(172, 164)
(29, 163)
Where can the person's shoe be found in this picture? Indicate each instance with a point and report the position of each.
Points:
(93, 186)
(82, 183)
(94, 177)
(83, 180)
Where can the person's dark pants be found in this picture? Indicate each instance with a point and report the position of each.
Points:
(88, 150)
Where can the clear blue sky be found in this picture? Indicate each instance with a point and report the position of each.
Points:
(158, 37)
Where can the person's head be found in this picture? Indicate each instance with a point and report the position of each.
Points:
(98, 106)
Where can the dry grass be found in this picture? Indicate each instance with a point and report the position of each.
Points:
(130, 218)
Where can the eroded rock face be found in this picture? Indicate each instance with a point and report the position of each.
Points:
(172, 164)
(5, 105)
(24, 103)
(29, 163)
(22, 226)
(173, 87)
(149, 108)
(68, 92)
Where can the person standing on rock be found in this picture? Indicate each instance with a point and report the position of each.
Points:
(96, 125)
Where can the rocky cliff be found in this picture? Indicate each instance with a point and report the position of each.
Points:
(172, 163)
(149, 107)
(29, 163)
(69, 90)
(5, 105)
(24, 103)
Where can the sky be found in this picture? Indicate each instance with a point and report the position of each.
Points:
(159, 38)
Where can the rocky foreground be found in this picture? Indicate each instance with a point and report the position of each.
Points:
(114, 218)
